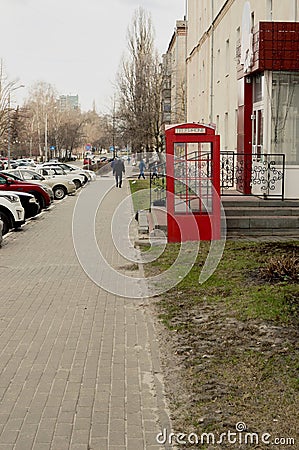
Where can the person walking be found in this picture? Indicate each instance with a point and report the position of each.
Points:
(154, 170)
(141, 169)
(118, 171)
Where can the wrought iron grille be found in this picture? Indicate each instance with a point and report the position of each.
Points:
(158, 184)
(265, 173)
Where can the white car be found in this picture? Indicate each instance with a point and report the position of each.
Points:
(61, 186)
(56, 171)
(24, 162)
(89, 175)
(12, 212)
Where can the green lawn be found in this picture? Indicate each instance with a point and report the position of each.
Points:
(232, 342)
(141, 200)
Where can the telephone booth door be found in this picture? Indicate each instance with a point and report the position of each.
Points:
(193, 182)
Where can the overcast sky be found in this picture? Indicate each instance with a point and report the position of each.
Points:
(75, 45)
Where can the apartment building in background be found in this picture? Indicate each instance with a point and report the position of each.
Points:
(174, 71)
(68, 102)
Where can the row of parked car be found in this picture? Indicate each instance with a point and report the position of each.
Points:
(28, 189)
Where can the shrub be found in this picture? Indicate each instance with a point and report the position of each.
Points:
(281, 268)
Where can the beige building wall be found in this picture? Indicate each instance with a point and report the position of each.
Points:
(212, 95)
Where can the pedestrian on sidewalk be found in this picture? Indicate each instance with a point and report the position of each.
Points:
(154, 170)
(141, 169)
(118, 171)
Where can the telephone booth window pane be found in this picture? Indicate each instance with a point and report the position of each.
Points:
(193, 172)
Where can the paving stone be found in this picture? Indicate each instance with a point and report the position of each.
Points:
(75, 360)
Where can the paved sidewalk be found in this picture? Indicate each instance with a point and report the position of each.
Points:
(79, 367)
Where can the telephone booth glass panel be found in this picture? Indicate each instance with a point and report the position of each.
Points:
(192, 173)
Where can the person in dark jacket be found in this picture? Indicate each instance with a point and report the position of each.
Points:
(118, 171)
(141, 169)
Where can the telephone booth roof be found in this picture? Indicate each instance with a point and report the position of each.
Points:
(199, 128)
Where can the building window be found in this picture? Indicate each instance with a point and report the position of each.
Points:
(285, 115)
(167, 106)
(258, 88)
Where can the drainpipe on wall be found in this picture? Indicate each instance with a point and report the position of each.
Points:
(212, 67)
(271, 10)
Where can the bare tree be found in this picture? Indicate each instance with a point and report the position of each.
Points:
(72, 131)
(42, 100)
(97, 130)
(6, 111)
(139, 85)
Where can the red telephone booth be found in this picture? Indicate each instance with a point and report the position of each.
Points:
(193, 182)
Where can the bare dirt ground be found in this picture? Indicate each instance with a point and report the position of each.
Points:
(223, 372)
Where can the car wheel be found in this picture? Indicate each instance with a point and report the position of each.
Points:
(39, 200)
(59, 192)
(6, 222)
(77, 183)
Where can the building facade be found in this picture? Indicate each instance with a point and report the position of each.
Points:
(68, 102)
(174, 76)
(242, 65)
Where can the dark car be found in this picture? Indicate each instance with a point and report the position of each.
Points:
(29, 203)
(41, 194)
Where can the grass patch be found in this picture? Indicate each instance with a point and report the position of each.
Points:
(238, 280)
(234, 339)
(141, 200)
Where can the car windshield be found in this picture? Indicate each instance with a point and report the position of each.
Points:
(65, 167)
(14, 177)
(30, 175)
(56, 170)
(59, 171)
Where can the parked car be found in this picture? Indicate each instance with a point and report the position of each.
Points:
(42, 193)
(29, 203)
(25, 162)
(91, 176)
(57, 171)
(12, 212)
(60, 186)
(69, 168)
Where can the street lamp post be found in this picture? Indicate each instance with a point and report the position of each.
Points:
(113, 129)
(9, 128)
(8, 133)
(46, 137)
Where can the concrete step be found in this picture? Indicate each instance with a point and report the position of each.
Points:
(262, 232)
(245, 217)
(262, 222)
(248, 211)
(143, 226)
(231, 202)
